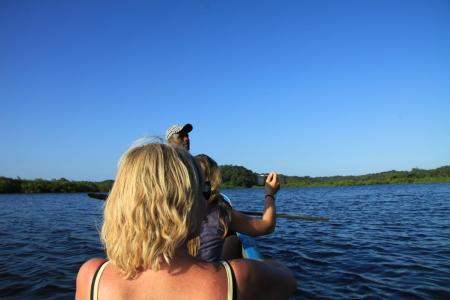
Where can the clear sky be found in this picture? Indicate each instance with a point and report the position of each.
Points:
(311, 87)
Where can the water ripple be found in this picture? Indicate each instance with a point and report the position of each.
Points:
(382, 242)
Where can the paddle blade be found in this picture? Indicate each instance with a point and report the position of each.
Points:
(99, 196)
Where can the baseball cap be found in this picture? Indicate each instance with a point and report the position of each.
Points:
(177, 129)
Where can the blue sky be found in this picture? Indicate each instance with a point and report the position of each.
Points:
(312, 88)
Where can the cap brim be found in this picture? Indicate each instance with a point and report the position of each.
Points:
(187, 128)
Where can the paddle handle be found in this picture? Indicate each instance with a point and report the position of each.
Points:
(286, 216)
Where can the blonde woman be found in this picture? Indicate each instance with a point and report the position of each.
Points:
(221, 219)
(155, 206)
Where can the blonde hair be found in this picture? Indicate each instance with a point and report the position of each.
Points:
(154, 206)
(212, 172)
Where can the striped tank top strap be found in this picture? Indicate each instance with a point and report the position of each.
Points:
(231, 281)
(96, 280)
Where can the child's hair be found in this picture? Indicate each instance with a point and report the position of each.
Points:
(212, 174)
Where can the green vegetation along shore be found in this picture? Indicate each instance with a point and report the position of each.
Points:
(438, 175)
(235, 176)
(62, 185)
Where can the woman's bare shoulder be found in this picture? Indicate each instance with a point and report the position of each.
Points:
(89, 267)
(85, 276)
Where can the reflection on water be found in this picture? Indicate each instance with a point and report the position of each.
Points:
(388, 241)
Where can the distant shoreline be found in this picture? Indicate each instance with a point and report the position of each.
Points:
(238, 176)
(428, 181)
(235, 177)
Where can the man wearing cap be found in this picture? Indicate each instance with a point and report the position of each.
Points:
(178, 135)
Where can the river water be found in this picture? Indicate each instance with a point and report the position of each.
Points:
(382, 241)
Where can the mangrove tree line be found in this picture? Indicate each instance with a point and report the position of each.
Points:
(235, 176)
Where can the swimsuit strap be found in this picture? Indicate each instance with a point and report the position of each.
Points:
(96, 280)
(231, 281)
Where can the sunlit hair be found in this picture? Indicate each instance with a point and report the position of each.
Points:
(212, 173)
(155, 205)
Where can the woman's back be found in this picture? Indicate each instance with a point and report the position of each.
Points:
(182, 280)
(190, 279)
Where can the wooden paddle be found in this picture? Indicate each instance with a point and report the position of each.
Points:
(286, 216)
(104, 196)
(99, 196)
